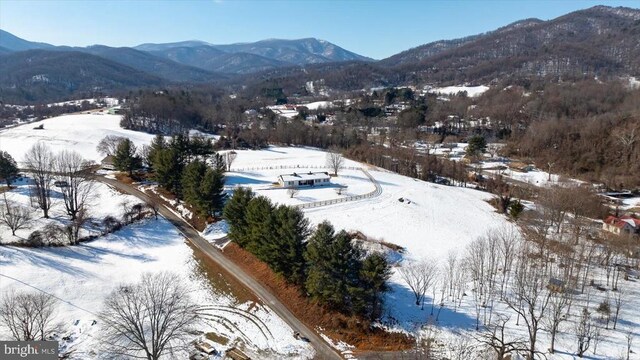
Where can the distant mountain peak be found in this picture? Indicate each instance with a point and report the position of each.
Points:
(13, 43)
(161, 46)
(619, 11)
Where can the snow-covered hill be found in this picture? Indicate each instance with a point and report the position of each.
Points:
(80, 132)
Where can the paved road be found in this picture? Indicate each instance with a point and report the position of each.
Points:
(322, 348)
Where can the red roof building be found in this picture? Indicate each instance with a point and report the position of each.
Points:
(621, 225)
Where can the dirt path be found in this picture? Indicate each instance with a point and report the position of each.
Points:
(322, 348)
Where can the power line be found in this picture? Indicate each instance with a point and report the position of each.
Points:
(50, 294)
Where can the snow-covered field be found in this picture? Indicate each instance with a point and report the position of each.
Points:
(349, 183)
(80, 132)
(426, 219)
(431, 221)
(81, 276)
(317, 105)
(472, 91)
(104, 201)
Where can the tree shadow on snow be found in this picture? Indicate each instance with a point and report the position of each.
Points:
(403, 312)
(139, 236)
(631, 324)
(147, 234)
(46, 258)
(243, 180)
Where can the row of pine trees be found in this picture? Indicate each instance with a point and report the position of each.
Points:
(186, 166)
(327, 265)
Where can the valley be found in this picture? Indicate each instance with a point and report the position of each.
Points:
(263, 193)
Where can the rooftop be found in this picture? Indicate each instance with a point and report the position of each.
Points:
(305, 176)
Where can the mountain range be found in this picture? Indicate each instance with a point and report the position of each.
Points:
(597, 41)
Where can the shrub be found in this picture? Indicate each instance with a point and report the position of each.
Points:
(36, 239)
(111, 224)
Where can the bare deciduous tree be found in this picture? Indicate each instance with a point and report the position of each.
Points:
(558, 304)
(618, 301)
(39, 162)
(108, 145)
(482, 261)
(627, 139)
(72, 174)
(72, 230)
(154, 206)
(460, 348)
(15, 216)
(229, 157)
(292, 191)
(496, 338)
(584, 331)
(629, 337)
(334, 161)
(27, 316)
(507, 244)
(150, 318)
(529, 299)
(419, 276)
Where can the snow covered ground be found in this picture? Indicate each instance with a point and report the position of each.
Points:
(317, 105)
(472, 91)
(82, 276)
(80, 132)
(349, 183)
(104, 201)
(431, 221)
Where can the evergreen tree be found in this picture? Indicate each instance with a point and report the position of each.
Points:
(180, 144)
(200, 148)
(333, 264)
(126, 158)
(168, 170)
(291, 230)
(8, 167)
(219, 164)
(192, 177)
(374, 274)
(203, 187)
(260, 226)
(212, 191)
(476, 145)
(346, 264)
(318, 257)
(234, 213)
(157, 144)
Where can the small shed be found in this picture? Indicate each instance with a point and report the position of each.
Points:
(556, 285)
(107, 163)
(306, 179)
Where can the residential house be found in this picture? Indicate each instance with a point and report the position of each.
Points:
(307, 179)
(622, 225)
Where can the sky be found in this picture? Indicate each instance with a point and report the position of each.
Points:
(374, 28)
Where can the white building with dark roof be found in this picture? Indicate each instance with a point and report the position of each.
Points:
(306, 179)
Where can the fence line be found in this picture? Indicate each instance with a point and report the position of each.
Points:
(279, 167)
(315, 204)
(374, 193)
